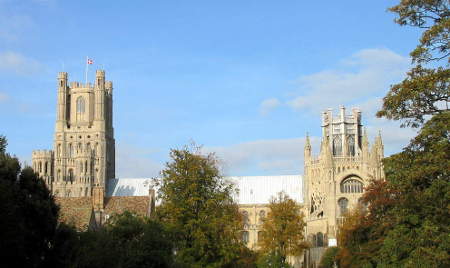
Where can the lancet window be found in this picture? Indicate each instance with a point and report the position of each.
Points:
(351, 185)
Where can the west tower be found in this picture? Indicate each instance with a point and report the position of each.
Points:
(84, 145)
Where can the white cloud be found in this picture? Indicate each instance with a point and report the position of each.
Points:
(281, 156)
(133, 162)
(366, 74)
(17, 63)
(268, 105)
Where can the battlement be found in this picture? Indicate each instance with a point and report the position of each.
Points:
(100, 73)
(62, 75)
(78, 85)
(42, 154)
(353, 118)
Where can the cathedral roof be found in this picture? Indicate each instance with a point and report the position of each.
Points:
(75, 211)
(119, 204)
(252, 189)
(260, 189)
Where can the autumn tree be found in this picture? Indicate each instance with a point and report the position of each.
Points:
(283, 230)
(197, 206)
(407, 222)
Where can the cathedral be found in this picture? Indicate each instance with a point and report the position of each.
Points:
(80, 170)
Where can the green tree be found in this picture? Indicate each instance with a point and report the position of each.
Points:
(425, 91)
(197, 206)
(28, 214)
(127, 240)
(407, 222)
(283, 230)
(328, 259)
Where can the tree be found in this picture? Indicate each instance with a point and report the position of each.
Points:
(425, 91)
(198, 208)
(127, 240)
(328, 259)
(283, 229)
(407, 222)
(28, 214)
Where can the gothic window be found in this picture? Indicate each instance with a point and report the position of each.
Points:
(260, 235)
(71, 175)
(351, 185)
(70, 150)
(343, 205)
(46, 168)
(40, 167)
(245, 218)
(351, 144)
(245, 237)
(337, 145)
(80, 108)
(262, 215)
(319, 239)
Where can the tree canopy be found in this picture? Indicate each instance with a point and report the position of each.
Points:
(283, 229)
(408, 220)
(28, 214)
(425, 90)
(198, 208)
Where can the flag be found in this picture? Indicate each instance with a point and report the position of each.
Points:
(90, 61)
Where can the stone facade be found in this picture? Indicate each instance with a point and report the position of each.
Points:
(83, 155)
(334, 181)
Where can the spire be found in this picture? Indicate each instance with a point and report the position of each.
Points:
(307, 150)
(365, 145)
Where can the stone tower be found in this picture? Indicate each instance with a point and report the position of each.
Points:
(335, 180)
(84, 146)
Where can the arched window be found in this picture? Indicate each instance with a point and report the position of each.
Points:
(245, 218)
(70, 150)
(337, 145)
(80, 108)
(351, 185)
(245, 237)
(343, 205)
(319, 239)
(351, 145)
(262, 215)
(260, 235)
(71, 175)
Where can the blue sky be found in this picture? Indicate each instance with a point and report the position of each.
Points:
(245, 79)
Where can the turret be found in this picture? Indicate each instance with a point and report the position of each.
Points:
(99, 95)
(365, 145)
(61, 115)
(307, 150)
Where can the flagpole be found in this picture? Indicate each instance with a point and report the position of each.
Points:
(87, 67)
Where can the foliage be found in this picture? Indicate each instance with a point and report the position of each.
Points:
(28, 214)
(272, 260)
(408, 221)
(283, 229)
(126, 241)
(329, 258)
(198, 208)
(425, 91)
